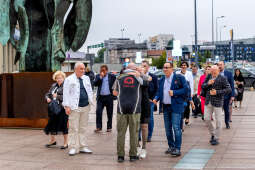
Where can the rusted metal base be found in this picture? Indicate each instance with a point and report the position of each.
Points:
(22, 101)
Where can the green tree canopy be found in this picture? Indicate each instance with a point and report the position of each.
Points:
(100, 56)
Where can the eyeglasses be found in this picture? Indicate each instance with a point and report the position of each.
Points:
(167, 67)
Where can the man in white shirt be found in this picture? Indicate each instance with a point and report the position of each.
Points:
(77, 97)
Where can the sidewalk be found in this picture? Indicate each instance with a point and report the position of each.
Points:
(24, 149)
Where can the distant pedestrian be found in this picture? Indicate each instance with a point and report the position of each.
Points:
(200, 93)
(216, 87)
(91, 76)
(77, 98)
(196, 100)
(171, 92)
(189, 78)
(104, 81)
(128, 89)
(228, 98)
(239, 82)
(57, 123)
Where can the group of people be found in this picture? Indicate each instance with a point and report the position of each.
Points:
(137, 92)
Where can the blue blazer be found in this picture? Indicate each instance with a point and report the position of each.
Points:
(180, 92)
(230, 79)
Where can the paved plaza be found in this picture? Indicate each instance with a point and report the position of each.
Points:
(24, 148)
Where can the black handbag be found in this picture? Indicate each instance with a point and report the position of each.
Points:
(54, 107)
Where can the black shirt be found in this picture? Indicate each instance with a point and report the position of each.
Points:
(84, 100)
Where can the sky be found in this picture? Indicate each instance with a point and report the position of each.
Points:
(152, 17)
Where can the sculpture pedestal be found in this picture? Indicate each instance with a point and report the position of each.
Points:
(22, 99)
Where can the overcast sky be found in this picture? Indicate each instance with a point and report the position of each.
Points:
(152, 17)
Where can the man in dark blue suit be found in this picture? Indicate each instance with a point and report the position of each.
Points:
(104, 81)
(172, 93)
(228, 98)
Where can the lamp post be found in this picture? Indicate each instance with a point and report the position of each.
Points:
(139, 37)
(221, 30)
(122, 32)
(212, 29)
(217, 18)
(195, 15)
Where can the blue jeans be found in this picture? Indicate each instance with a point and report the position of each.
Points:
(151, 123)
(172, 123)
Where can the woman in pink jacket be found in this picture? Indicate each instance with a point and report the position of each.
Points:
(201, 81)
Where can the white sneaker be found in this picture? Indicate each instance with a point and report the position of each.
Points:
(143, 154)
(139, 151)
(72, 152)
(85, 150)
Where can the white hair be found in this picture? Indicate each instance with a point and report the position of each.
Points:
(77, 64)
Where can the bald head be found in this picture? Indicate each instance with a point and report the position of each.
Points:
(79, 69)
(221, 65)
(132, 66)
(215, 71)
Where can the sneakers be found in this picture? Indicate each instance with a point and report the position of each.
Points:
(72, 152)
(85, 150)
(176, 152)
(121, 159)
(134, 158)
(139, 149)
(143, 153)
(169, 150)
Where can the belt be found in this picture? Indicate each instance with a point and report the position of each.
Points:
(166, 105)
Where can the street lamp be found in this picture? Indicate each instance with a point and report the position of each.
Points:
(195, 15)
(221, 30)
(139, 37)
(217, 18)
(122, 32)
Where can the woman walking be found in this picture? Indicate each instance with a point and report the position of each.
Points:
(199, 90)
(239, 82)
(57, 123)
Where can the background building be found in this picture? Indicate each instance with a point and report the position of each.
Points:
(159, 42)
(120, 49)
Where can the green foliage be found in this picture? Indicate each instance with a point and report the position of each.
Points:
(159, 62)
(100, 56)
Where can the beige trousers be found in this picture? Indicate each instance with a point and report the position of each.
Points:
(78, 122)
(213, 119)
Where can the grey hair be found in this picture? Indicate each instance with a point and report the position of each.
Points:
(77, 64)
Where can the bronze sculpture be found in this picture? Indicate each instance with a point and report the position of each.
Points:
(44, 37)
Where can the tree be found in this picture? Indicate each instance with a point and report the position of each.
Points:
(159, 62)
(100, 56)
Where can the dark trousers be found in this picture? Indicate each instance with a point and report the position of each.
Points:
(104, 101)
(187, 111)
(197, 104)
(226, 110)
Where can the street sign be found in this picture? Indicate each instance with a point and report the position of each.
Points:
(169, 57)
(177, 51)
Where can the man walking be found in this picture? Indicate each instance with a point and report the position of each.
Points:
(215, 86)
(104, 81)
(172, 91)
(230, 97)
(152, 90)
(196, 101)
(77, 96)
(128, 89)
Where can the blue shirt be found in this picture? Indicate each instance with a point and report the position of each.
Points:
(105, 86)
(167, 87)
(84, 100)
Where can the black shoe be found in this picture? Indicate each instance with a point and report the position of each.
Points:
(230, 121)
(214, 142)
(64, 147)
(50, 144)
(149, 140)
(195, 116)
(212, 138)
(121, 159)
(176, 152)
(134, 158)
(169, 150)
(227, 126)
